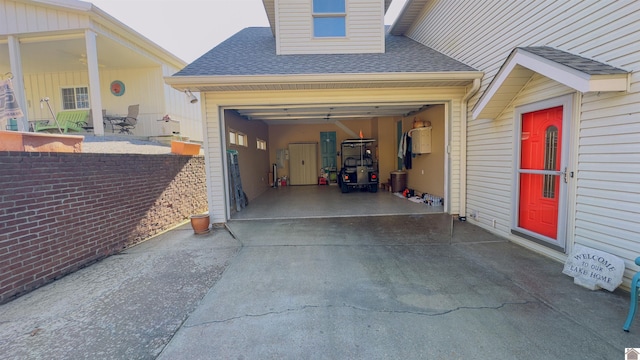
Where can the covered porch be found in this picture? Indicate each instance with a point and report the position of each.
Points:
(74, 56)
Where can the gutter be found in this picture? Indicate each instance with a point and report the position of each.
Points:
(462, 211)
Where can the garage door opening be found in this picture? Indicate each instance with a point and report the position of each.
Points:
(263, 137)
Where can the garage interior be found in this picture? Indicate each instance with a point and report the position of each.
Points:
(322, 128)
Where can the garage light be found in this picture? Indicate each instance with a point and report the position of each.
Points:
(192, 98)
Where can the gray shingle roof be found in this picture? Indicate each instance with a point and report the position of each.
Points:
(252, 51)
(573, 61)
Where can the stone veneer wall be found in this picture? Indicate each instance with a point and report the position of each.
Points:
(62, 211)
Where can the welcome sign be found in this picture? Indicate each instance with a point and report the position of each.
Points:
(593, 268)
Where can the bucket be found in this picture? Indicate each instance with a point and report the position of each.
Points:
(398, 181)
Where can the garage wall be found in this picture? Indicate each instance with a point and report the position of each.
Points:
(254, 163)
(387, 147)
(432, 180)
(280, 136)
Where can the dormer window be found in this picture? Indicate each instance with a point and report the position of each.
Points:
(329, 18)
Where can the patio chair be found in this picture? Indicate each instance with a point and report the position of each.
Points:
(88, 125)
(127, 123)
(635, 289)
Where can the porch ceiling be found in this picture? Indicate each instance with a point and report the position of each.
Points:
(59, 53)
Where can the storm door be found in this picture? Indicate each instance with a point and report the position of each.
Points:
(541, 176)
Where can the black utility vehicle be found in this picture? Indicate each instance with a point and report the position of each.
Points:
(358, 170)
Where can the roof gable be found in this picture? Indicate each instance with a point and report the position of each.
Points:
(579, 73)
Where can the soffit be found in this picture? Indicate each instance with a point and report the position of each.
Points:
(407, 16)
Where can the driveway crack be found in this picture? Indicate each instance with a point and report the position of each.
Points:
(379, 311)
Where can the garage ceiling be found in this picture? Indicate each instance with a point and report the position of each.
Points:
(315, 114)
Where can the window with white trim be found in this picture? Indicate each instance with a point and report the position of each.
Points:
(261, 144)
(75, 98)
(329, 18)
(237, 138)
(233, 137)
(242, 140)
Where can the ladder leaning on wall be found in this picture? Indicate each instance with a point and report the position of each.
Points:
(238, 195)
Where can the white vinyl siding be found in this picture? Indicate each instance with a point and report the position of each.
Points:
(490, 147)
(27, 18)
(187, 116)
(294, 29)
(468, 31)
(608, 195)
(605, 201)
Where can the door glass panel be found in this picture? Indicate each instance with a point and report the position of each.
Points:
(550, 162)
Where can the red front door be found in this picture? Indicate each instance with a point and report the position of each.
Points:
(540, 171)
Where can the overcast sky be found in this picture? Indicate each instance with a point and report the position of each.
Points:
(190, 28)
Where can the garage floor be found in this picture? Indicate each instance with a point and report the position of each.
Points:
(315, 201)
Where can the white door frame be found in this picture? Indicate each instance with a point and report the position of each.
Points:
(565, 173)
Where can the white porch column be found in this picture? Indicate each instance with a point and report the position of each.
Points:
(94, 82)
(18, 80)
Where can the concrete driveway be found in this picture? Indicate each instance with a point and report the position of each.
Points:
(396, 287)
(385, 287)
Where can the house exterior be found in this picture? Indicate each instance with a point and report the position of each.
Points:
(533, 107)
(288, 84)
(80, 57)
(583, 57)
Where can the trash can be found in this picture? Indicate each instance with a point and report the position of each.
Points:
(398, 181)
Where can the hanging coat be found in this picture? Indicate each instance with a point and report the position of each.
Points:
(407, 153)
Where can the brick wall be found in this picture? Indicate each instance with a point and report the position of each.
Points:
(60, 211)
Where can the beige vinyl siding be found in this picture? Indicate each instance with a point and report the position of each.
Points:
(294, 29)
(142, 86)
(215, 160)
(605, 198)
(27, 18)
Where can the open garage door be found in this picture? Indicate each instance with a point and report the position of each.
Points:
(282, 126)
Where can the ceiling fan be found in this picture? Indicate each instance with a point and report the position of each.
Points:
(83, 60)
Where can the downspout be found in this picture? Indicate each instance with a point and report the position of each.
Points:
(462, 210)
